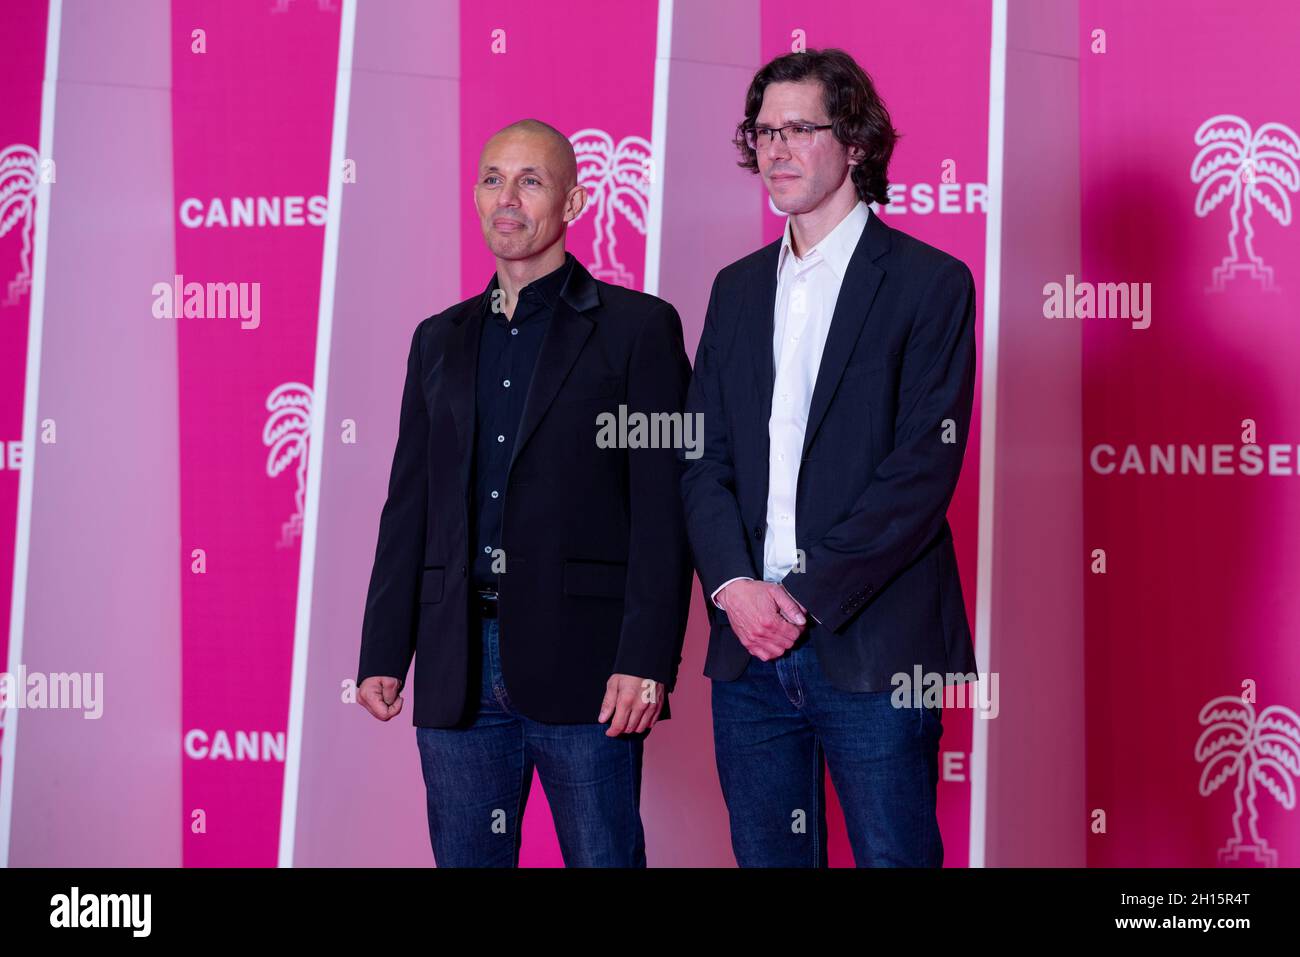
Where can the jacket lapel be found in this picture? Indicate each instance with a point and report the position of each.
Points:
(462, 379)
(852, 307)
(564, 339)
(762, 303)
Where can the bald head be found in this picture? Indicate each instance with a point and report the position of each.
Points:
(527, 192)
(555, 152)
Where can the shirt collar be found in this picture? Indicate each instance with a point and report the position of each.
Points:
(548, 287)
(837, 246)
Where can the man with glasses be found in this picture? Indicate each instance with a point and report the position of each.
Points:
(539, 576)
(835, 374)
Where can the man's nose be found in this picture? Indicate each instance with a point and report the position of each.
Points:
(779, 149)
(508, 196)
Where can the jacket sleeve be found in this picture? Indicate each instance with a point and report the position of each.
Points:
(658, 584)
(388, 630)
(904, 506)
(713, 519)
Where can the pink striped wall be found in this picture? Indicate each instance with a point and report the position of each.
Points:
(1199, 600)
(398, 261)
(165, 438)
(22, 67)
(1034, 812)
(103, 574)
(251, 119)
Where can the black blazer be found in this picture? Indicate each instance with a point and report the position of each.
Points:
(597, 567)
(880, 573)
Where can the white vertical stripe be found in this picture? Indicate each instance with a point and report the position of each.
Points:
(988, 423)
(658, 141)
(320, 382)
(31, 392)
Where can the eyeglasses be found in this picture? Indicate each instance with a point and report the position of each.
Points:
(797, 136)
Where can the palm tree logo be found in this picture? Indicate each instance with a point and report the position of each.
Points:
(617, 178)
(1263, 750)
(17, 204)
(286, 433)
(1257, 167)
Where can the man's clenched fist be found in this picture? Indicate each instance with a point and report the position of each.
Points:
(379, 696)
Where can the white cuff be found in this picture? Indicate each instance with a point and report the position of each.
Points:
(714, 596)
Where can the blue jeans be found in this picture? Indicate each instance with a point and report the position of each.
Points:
(776, 728)
(477, 778)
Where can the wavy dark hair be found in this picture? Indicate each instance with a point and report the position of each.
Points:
(857, 114)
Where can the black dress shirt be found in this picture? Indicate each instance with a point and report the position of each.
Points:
(508, 350)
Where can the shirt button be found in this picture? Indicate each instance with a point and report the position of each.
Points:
(506, 383)
(501, 438)
(494, 493)
(487, 549)
(514, 332)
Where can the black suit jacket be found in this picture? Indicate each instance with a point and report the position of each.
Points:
(597, 566)
(879, 571)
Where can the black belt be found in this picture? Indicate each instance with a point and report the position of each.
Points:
(485, 602)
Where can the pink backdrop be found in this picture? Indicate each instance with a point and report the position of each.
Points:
(1200, 592)
(1197, 597)
(22, 63)
(249, 121)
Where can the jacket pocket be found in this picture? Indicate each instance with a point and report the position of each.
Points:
(595, 579)
(431, 585)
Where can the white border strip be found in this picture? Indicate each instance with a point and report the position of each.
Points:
(988, 422)
(658, 147)
(320, 382)
(31, 393)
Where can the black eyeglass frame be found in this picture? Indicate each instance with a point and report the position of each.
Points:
(751, 132)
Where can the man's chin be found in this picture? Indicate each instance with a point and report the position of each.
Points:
(512, 248)
(788, 205)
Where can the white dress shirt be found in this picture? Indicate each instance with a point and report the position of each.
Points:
(807, 288)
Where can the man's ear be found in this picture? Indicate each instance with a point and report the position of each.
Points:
(575, 203)
(856, 155)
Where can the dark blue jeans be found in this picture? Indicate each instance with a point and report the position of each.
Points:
(477, 779)
(778, 726)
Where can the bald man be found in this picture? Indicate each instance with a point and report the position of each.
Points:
(532, 551)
